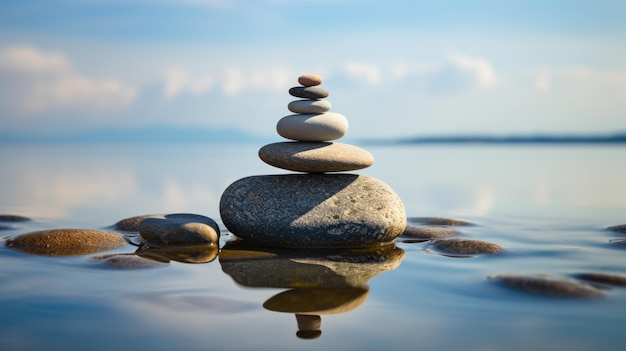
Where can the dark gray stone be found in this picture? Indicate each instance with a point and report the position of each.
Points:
(315, 92)
(313, 210)
(180, 229)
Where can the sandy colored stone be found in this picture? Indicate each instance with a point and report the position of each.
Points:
(309, 80)
(313, 127)
(316, 157)
(541, 284)
(66, 242)
(315, 210)
(309, 106)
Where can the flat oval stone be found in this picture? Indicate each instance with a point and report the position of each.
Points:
(181, 229)
(439, 221)
(550, 286)
(66, 242)
(315, 157)
(309, 80)
(309, 106)
(313, 127)
(317, 300)
(13, 218)
(466, 247)
(422, 233)
(314, 210)
(309, 92)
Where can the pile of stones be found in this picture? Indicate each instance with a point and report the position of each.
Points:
(315, 208)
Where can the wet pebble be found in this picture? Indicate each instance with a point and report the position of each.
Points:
(618, 228)
(465, 247)
(131, 224)
(128, 261)
(549, 286)
(180, 229)
(438, 221)
(602, 278)
(13, 218)
(423, 233)
(66, 242)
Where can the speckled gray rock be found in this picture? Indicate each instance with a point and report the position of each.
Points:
(316, 157)
(180, 229)
(315, 92)
(315, 210)
(66, 242)
(313, 127)
(309, 106)
(465, 247)
(549, 285)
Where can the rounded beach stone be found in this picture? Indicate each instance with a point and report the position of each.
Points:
(309, 92)
(66, 242)
(315, 210)
(438, 221)
(609, 279)
(131, 224)
(127, 261)
(618, 228)
(13, 218)
(309, 106)
(422, 233)
(550, 286)
(181, 229)
(309, 80)
(315, 157)
(465, 247)
(313, 127)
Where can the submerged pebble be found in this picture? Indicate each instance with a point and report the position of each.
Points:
(549, 286)
(13, 218)
(603, 278)
(618, 228)
(127, 261)
(181, 229)
(66, 242)
(466, 247)
(438, 221)
(423, 233)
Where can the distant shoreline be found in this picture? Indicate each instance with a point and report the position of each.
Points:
(486, 139)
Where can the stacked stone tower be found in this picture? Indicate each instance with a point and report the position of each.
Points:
(318, 208)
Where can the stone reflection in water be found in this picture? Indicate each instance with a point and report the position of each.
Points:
(184, 254)
(319, 281)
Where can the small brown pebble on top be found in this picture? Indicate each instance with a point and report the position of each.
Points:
(310, 80)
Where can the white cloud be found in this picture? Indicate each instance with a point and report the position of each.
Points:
(542, 79)
(35, 81)
(370, 73)
(480, 69)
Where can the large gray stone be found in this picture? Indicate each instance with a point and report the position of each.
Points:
(315, 157)
(314, 210)
(313, 127)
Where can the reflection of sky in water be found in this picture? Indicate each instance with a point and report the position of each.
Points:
(545, 206)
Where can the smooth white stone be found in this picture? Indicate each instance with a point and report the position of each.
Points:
(309, 106)
(313, 127)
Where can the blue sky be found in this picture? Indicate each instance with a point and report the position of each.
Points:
(393, 68)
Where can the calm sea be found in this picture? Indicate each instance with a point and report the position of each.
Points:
(547, 206)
